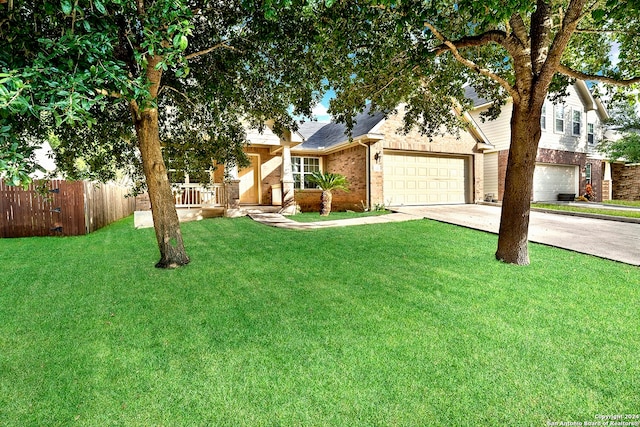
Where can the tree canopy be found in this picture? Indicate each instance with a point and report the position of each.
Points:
(188, 74)
(423, 53)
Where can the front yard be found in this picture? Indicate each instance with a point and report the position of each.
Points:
(395, 324)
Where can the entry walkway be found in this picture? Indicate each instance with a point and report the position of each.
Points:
(281, 221)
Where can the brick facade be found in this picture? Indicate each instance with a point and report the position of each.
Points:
(626, 181)
(561, 158)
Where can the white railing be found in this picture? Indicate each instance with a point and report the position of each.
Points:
(197, 195)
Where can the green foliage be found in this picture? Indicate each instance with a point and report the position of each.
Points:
(329, 181)
(626, 148)
(381, 51)
(76, 68)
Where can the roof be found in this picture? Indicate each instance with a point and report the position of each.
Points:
(470, 93)
(332, 134)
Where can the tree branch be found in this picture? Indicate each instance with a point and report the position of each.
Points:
(563, 69)
(519, 28)
(223, 45)
(487, 37)
(494, 36)
(179, 93)
(570, 22)
(109, 94)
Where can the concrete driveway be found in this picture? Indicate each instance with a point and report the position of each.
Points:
(618, 241)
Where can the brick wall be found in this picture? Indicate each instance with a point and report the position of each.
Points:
(350, 162)
(626, 181)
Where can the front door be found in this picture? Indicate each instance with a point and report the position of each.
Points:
(250, 182)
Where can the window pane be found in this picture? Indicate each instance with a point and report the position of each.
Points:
(559, 118)
(543, 118)
(577, 122)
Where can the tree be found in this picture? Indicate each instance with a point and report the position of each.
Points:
(422, 53)
(70, 67)
(626, 122)
(328, 182)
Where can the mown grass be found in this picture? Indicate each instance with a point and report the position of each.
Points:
(633, 203)
(405, 324)
(586, 209)
(315, 216)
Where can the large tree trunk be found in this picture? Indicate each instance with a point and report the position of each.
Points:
(518, 188)
(163, 208)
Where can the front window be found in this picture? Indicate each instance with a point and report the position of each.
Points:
(302, 168)
(591, 135)
(587, 172)
(577, 122)
(543, 118)
(559, 122)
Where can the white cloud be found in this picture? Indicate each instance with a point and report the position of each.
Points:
(320, 113)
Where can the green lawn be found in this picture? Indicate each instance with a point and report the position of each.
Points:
(399, 324)
(634, 203)
(315, 216)
(588, 209)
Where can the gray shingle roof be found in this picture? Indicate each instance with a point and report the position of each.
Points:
(335, 133)
(471, 93)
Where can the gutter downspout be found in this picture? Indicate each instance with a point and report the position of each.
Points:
(368, 180)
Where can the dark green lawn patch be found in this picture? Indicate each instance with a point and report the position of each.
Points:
(315, 216)
(590, 210)
(633, 203)
(401, 324)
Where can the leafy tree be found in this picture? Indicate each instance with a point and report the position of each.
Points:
(111, 80)
(626, 121)
(328, 182)
(422, 53)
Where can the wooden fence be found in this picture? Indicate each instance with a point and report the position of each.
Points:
(70, 208)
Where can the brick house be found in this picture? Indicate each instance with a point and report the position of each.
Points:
(567, 157)
(383, 165)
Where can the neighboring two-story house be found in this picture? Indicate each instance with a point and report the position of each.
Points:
(567, 158)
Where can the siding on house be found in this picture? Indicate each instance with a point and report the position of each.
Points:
(491, 174)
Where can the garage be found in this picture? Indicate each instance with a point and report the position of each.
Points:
(414, 179)
(551, 180)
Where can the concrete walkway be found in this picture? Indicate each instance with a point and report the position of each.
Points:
(615, 240)
(281, 221)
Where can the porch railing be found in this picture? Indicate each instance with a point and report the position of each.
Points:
(198, 195)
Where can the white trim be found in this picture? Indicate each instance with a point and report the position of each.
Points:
(301, 173)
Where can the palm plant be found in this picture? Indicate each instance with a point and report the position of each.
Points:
(328, 182)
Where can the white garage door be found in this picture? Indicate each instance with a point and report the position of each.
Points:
(411, 179)
(551, 180)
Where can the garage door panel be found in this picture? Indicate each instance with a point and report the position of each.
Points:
(420, 179)
(551, 180)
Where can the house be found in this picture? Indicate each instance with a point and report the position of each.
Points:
(384, 167)
(567, 157)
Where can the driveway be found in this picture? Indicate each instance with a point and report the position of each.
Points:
(618, 241)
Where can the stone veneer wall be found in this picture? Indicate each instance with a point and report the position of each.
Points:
(561, 158)
(626, 181)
